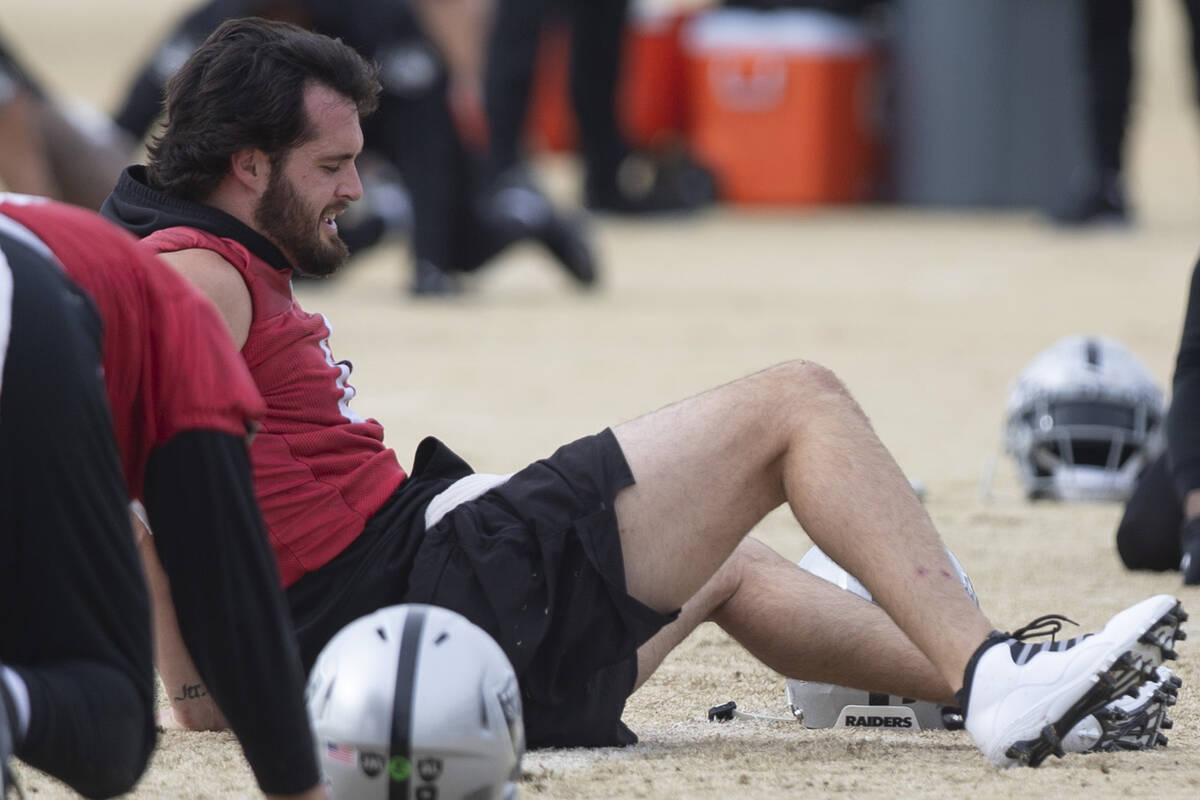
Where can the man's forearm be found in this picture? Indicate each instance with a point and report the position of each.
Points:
(192, 707)
(229, 605)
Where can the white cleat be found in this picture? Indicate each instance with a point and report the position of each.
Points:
(1022, 699)
(1129, 723)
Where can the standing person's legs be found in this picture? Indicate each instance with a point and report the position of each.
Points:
(620, 176)
(1110, 71)
(432, 166)
(511, 204)
(414, 131)
(75, 632)
(508, 79)
(1192, 9)
(597, 46)
(1108, 60)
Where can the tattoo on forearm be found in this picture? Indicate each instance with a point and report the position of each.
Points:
(192, 691)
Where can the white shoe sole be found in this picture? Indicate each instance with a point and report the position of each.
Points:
(1129, 723)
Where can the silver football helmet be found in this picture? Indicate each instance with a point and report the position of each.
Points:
(415, 701)
(824, 705)
(1083, 419)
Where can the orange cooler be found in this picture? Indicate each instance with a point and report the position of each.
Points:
(782, 105)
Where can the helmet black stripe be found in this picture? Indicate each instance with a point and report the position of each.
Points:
(402, 707)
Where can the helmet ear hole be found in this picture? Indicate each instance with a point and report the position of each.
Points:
(1084, 417)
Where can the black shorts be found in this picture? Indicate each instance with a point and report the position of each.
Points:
(535, 562)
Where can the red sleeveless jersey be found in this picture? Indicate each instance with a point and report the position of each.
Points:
(320, 471)
(169, 362)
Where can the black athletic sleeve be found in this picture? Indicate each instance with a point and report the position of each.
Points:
(1183, 420)
(210, 537)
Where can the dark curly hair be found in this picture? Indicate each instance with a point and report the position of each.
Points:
(244, 88)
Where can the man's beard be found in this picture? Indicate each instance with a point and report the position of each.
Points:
(283, 218)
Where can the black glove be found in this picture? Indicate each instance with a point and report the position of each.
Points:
(1189, 546)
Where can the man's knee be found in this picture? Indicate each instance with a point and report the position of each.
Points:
(802, 386)
(749, 562)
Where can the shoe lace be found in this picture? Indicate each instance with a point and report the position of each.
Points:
(1045, 625)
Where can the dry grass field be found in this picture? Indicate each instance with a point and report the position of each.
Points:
(926, 316)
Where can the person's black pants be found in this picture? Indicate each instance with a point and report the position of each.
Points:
(597, 31)
(1148, 535)
(415, 131)
(74, 613)
(1110, 70)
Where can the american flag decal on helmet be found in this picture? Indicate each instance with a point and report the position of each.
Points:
(339, 752)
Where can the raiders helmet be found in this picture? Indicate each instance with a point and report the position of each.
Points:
(1083, 419)
(416, 702)
(823, 705)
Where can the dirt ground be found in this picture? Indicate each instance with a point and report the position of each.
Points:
(926, 316)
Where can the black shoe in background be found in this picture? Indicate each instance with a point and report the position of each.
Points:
(1101, 203)
(516, 208)
(645, 183)
(431, 281)
(567, 240)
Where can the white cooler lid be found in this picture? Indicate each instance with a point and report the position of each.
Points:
(784, 31)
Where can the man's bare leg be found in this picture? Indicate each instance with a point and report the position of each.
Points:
(802, 626)
(709, 468)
